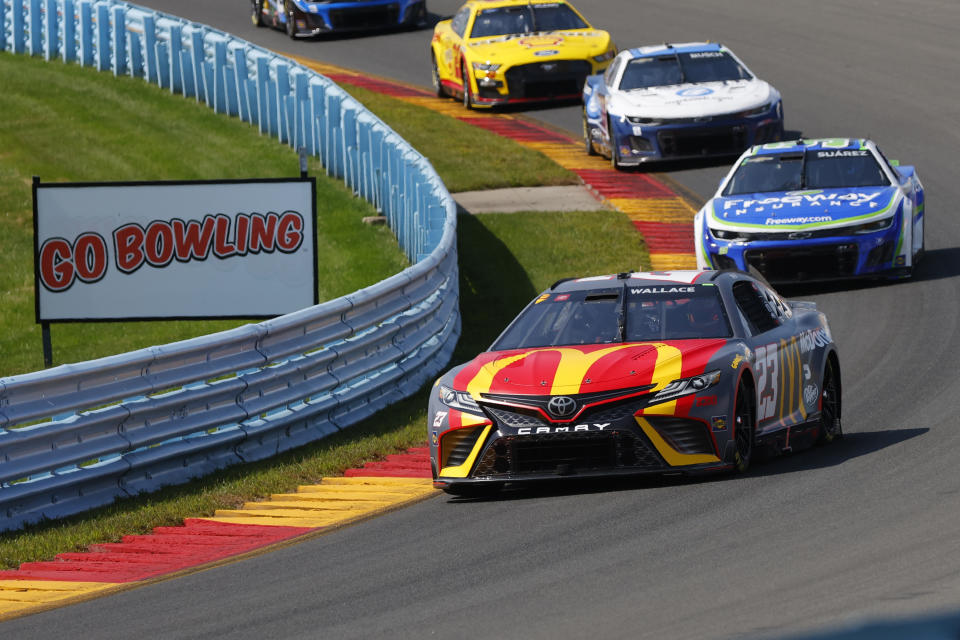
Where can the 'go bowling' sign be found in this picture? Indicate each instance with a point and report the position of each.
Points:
(174, 250)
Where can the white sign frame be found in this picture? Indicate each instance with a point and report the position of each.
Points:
(174, 250)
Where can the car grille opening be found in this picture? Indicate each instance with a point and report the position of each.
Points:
(804, 263)
(365, 17)
(683, 434)
(562, 454)
(682, 143)
(881, 255)
(456, 446)
(547, 79)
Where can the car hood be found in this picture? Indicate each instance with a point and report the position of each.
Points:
(585, 369)
(538, 47)
(694, 100)
(802, 210)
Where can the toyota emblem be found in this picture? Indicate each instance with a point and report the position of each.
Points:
(561, 406)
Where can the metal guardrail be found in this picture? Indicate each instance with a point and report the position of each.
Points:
(80, 435)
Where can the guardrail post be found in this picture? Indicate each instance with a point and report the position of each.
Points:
(87, 52)
(219, 70)
(119, 41)
(283, 90)
(333, 135)
(196, 54)
(273, 119)
(19, 28)
(163, 65)
(69, 47)
(176, 59)
(136, 54)
(150, 48)
(36, 27)
(263, 107)
(301, 104)
(103, 37)
(241, 83)
(3, 26)
(317, 92)
(349, 128)
(52, 50)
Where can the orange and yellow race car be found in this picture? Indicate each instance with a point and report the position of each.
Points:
(637, 373)
(509, 51)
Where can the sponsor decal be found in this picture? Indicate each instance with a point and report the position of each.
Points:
(541, 298)
(530, 431)
(810, 394)
(737, 359)
(438, 419)
(843, 153)
(812, 339)
(562, 406)
(655, 290)
(540, 41)
(806, 372)
(435, 438)
(706, 401)
(694, 92)
(546, 52)
(706, 54)
(563, 297)
(637, 130)
(798, 220)
(719, 423)
(900, 261)
(794, 199)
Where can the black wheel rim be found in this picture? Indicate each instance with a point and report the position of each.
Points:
(586, 134)
(291, 26)
(830, 410)
(466, 88)
(743, 423)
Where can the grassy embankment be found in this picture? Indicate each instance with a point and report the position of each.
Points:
(504, 259)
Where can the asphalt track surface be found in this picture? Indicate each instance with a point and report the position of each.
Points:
(866, 529)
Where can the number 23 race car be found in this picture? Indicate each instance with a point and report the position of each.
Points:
(637, 373)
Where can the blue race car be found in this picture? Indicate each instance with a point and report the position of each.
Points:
(677, 101)
(810, 210)
(304, 19)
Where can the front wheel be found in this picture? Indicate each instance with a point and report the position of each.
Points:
(467, 96)
(744, 425)
(587, 139)
(256, 15)
(435, 71)
(291, 13)
(614, 159)
(830, 427)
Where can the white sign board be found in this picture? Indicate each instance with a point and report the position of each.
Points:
(225, 249)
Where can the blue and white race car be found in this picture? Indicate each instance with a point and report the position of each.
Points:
(677, 101)
(305, 18)
(811, 210)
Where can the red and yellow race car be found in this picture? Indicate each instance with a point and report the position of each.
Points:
(636, 373)
(508, 51)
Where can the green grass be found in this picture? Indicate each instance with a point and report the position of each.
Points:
(66, 123)
(467, 158)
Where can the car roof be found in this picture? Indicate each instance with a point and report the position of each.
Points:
(492, 4)
(660, 49)
(806, 144)
(636, 279)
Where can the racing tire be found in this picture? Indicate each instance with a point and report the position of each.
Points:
(830, 400)
(587, 140)
(256, 15)
(467, 97)
(291, 13)
(745, 426)
(614, 159)
(435, 76)
(471, 490)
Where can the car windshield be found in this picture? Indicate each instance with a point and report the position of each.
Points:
(599, 316)
(823, 169)
(681, 68)
(529, 18)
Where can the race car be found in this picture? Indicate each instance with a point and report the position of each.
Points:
(637, 373)
(677, 101)
(815, 209)
(304, 18)
(494, 52)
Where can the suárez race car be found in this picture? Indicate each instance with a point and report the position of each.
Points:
(304, 19)
(677, 101)
(509, 51)
(811, 210)
(637, 373)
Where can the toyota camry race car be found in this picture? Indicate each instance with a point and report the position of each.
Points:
(499, 51)
(305, 18)
(812, 210)
(677, 101)
(637, 373)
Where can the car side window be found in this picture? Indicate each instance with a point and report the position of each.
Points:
(611, 72)
(459, 22)
(761, 313)
(893, 169)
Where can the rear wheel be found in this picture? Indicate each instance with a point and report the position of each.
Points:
(437, 84)
(830, 427)
(256, 15)
(587, 140)
(744, 425)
